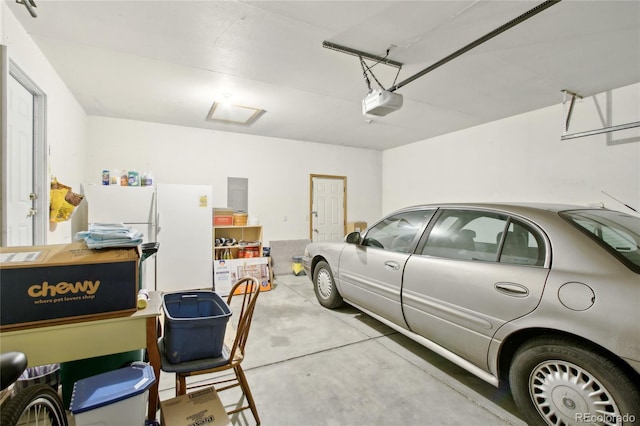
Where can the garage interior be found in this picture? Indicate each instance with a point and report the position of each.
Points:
(310, 365)
(546, 110)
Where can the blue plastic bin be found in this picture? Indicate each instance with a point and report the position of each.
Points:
(72, 371)
(194, 325)
(118, 397)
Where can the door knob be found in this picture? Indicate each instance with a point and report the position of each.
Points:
(32, 212)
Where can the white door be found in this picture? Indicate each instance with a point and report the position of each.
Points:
(328, 207)
(20, 183)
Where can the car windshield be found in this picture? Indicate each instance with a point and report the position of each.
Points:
(618, 232)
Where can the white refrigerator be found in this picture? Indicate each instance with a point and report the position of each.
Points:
(185, 234)
(132, 206)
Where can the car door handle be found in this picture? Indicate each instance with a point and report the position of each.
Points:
(512, 289)
(394, 266)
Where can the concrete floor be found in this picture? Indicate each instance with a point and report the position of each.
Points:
(308, 365)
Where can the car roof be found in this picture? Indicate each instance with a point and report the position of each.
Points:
(516, 208)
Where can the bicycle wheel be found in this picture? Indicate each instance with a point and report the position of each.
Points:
(37, 405)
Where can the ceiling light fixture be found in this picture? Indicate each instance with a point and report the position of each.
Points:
(236, 114)
(29, 4)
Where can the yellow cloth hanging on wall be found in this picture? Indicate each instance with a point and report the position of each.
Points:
(63, 201)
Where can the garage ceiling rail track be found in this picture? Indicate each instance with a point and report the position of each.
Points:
(516, 21)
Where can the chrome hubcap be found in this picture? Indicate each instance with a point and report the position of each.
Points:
(323, 281)
(566, 394)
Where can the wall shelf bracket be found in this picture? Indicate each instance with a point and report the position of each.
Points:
(568, 102)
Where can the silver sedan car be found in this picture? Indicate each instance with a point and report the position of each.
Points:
(544, 298)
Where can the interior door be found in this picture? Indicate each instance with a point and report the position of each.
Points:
(24, 186)
(327, 208)
(20, 184)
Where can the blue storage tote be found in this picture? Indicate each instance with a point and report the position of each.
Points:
(118, 397)
(194, 325)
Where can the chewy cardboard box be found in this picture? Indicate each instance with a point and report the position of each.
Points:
(201, 408)
(227, 271)
(45, 285)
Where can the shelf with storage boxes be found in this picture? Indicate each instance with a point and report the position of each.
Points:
(237, 253)
(234, 242)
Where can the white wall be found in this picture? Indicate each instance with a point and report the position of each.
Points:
(277, 169)
(66, 120)
(522, 158)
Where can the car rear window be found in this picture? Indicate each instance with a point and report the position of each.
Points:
(480, 235)
(617, 232)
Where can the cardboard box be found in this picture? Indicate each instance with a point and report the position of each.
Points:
(222, 216)
(227, 271)
(201, 408)
(223, 220)
(222, 211)
(45, 285)
(356, 226)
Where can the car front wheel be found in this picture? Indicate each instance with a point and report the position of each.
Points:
(560, 381)
(325, 287)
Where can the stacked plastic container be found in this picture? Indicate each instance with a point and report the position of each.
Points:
(118, 397)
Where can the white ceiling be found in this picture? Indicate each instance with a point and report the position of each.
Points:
(168, 61)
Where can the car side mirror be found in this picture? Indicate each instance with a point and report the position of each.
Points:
(353, 238)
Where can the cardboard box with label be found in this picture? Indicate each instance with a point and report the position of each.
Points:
(227, 271)
(356, 226)
(222, 216)
(45, 285)
(201, 408)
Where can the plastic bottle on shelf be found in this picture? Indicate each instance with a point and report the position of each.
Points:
(228, 254)
(114, 177)
(134, 178)
(105, 177)
(124, 178)
(149, 179)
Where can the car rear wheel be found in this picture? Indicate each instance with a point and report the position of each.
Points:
(560, 381)
(325, 287)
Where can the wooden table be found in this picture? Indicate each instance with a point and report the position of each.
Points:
(91, 338)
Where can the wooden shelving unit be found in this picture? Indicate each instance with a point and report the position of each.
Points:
(248, 234)
(227, 271)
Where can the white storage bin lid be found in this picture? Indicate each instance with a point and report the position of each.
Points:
(110, 387)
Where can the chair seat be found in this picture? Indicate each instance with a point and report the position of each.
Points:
(194, 365)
